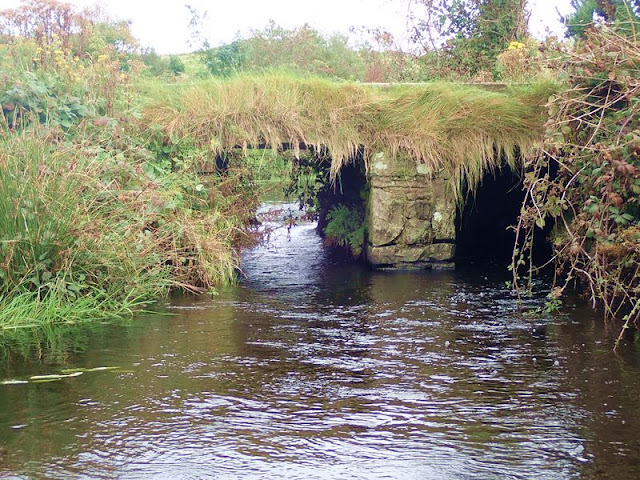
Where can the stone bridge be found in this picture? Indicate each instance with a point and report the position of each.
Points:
(434, 137)
(414, 218)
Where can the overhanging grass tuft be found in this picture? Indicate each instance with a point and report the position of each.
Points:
(463, 129)
(28, 310)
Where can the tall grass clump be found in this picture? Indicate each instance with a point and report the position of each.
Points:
(27, 310)
(465, 130)
(41, 212)
(37, 213)
(93, 227)
(271, 109)
(98, 216)
(46, 273)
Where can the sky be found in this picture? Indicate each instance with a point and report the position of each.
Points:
(163, 24)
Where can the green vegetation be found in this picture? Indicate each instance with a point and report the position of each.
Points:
(269, 168)
(452, 39)
(465, 37)
(118, 226)
(305, 51)
(346, 228)
(580, 21)
(99, 217)
(125, 174)
(29, 310)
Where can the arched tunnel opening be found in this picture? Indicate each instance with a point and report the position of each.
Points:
(484, 224)
(348, 190)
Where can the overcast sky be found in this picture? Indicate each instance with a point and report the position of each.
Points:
(162, 24)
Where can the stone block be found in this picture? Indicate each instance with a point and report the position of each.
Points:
(443, 221)
(438, 252)
(436, 255)
(386, 217)
(417, 232)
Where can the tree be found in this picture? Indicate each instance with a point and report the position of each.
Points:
(55, 25)
(225, 60)
(468, 34)
(156, 65)
(586, 12)
(45, 21)
(176, 65)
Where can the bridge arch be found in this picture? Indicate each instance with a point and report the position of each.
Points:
(417, 143)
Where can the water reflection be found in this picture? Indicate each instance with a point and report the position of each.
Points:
(314, 369)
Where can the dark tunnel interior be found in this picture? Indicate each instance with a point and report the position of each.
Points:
(482, 224)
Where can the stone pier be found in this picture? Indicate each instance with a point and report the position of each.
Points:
(410, 216)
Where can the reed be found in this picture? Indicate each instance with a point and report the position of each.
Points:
(37, 211)
(29, 310)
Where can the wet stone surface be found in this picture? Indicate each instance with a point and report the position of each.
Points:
(411, 216)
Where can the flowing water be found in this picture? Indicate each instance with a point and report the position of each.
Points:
(315, 369)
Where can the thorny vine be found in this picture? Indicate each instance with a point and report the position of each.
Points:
(586, 179)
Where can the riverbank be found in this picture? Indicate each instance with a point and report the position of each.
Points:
(94, 225)
(108, 213)
(117, 187)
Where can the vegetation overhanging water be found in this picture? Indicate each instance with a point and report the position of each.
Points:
(101, 206)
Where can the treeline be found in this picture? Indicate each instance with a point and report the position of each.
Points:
(305, 50)
(471, 37)
(468, 40)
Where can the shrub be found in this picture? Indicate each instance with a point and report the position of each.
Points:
(176, 65)
(90, 220)
(37, 215)
(592, 142)
(346, 228)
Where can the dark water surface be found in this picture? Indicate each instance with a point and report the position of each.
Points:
(313, 369)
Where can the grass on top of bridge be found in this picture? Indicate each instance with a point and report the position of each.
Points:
(443, 125)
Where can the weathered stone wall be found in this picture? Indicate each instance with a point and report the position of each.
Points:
(410, 216)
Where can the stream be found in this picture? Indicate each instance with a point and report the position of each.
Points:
(313, 368)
